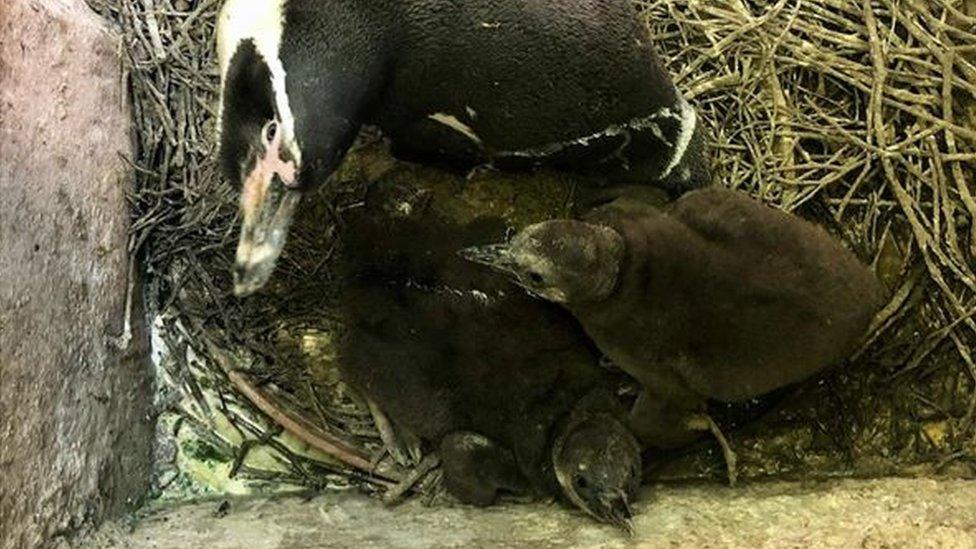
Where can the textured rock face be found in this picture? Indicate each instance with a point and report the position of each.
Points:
(74, 432)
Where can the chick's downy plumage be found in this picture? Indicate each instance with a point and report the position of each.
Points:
(466, 362)
(715, 296)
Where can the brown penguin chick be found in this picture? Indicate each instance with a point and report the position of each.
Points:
(485, 375)
(715, 296)
(593, 454)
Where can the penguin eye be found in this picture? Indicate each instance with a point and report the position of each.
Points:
(580, 482)
(270, 131)
(535, 277)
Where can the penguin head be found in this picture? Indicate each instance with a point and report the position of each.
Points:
(291, 104)
(597, 462)
(564, 261)
(259, 154)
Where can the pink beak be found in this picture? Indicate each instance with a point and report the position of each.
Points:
(268, 200)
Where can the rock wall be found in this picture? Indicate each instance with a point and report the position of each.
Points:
(75, 431)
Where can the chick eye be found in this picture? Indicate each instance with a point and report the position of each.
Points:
(580, 483)
(270, 131)
(535, 277)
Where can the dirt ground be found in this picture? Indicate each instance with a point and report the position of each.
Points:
(886, 513)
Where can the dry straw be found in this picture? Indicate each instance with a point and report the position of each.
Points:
(859, 114)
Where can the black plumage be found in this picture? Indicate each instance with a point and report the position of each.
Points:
(714, 296)
(487, 375)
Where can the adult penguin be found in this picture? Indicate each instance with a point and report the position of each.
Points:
(570, 84)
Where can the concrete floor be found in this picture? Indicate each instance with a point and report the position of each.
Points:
(885, 513)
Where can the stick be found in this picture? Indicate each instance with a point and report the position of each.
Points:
(396, 493)
(304, 430)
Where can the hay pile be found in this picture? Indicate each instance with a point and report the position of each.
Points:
(860, 115)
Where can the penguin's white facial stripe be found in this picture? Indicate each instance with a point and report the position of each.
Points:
(259, 20)
(452, 122)
(262, 22)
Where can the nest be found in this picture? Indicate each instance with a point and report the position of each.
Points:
(858, 115)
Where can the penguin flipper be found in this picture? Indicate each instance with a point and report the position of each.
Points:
(704, 422)
(667, 424)
(476, 468)
(664, 423)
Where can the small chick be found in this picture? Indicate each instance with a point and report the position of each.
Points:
(586, 455)
(715, 296)
(486, 375)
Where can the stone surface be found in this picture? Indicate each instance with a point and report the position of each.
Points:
(888, 513)
(74, 432)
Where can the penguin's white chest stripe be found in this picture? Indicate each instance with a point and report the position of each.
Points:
(688, 120)
(682, 112)
(262, 22)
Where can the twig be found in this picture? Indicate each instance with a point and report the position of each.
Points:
(395, 494)
(303, 430)
(123, 340)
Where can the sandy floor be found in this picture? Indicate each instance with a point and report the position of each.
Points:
(845, 513)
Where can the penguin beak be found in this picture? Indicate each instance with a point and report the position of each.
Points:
(620, 514)
(501, 258)
(268, 204)
(496, 256)
(614, 509)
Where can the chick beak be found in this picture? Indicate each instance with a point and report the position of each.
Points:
(620, 513)
(500, 258)
(268, 203)
(614, 509)
(496, 256)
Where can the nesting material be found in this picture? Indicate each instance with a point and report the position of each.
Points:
(857, 114)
